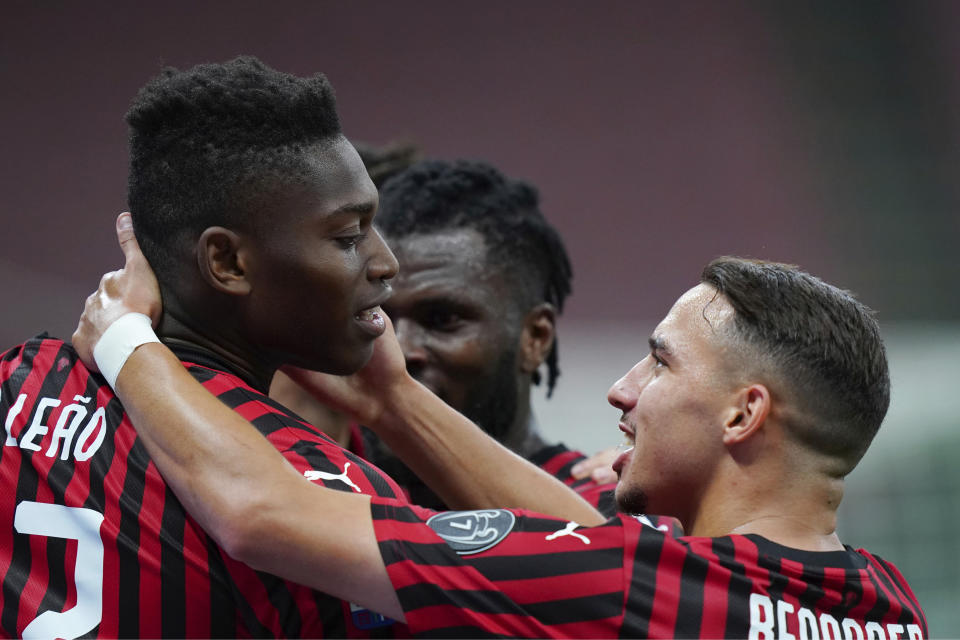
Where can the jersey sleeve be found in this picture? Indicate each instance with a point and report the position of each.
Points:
(498, 572)
(311, 452)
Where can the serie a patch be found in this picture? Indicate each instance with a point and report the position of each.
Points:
(469, 532)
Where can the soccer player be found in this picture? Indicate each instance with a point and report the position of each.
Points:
(256, 214)
(762, 389)
(483, 277)
(381, 164)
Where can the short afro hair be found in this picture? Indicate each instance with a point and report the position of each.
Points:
(211, 145)
(435, 195)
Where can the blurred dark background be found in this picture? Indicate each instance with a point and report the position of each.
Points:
(660, 135)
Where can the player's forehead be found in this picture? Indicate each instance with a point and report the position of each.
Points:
(338, 181)
(460, 247)
(694, 321)
(449, 259)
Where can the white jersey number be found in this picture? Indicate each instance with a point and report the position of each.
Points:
(82, 525)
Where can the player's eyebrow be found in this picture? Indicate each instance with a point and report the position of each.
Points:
(361, 208)
(659, 345)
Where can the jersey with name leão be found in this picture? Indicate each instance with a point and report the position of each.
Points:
(517, 574)
(94, 543)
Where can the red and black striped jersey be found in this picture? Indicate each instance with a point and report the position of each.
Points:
(92, 541)
(558, 460)
(517, 574)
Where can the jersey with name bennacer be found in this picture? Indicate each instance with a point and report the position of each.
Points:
(512, 573)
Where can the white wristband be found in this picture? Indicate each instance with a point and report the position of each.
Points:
(119, 340)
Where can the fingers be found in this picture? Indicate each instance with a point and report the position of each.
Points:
(84, 336)
(604, 475)
(127, 239)
(598, 467)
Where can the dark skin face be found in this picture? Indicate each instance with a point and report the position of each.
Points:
(460, 330)
(303, 285)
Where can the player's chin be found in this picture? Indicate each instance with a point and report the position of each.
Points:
(349, 357)
(630, 499)
(352, 359)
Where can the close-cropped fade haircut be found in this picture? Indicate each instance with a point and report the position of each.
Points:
(821, 343)
(434, 195)
(213, 145)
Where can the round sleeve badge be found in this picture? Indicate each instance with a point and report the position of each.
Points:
(469, 532)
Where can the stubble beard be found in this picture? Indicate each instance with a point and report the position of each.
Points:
(493, 406)
(631, 500)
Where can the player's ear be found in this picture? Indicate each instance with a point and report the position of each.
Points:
(221, 258)
(539, 332)
(746, 414)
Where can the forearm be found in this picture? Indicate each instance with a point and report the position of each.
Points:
(466, 467)
(242, 491)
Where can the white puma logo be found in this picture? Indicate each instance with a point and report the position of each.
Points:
(313, 474)
(645, 520)
(569, 531)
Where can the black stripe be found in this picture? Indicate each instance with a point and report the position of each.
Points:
(278, 591)
(281, 417)
(391, 551)
(458, 632)
(778, 581)
(437, 554)
(582, 609)
(813, 592)
(335, 614)
(643, 581)
(690, 606)
(128, 541)
(607, 503)
(427, 594)
(374, 475)
(56, 595)
(173, 579)
(547, 565)
(739, 589)
(223, 611)
(201, 374)
(397, 513)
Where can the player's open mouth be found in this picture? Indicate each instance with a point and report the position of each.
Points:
(371, 321)
(624, 449)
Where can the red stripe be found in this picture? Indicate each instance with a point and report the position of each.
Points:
(588, 583)
(716, 595)
(557, 462)
(196, 567)
(149, 554)
(666, 599)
